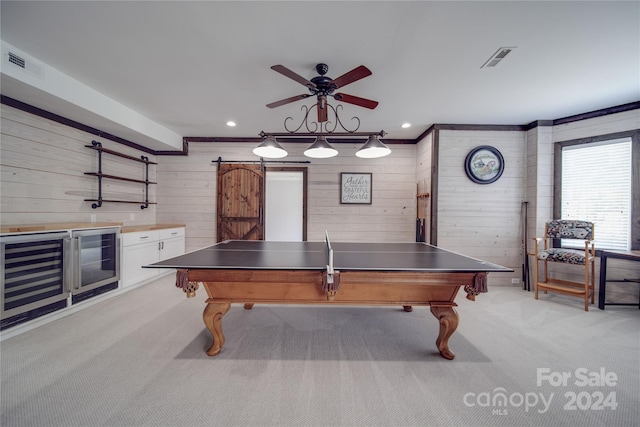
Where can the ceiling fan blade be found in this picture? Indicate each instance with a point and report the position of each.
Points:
(287, 72)
(352, 76)
(322, 109)
(355, 100)
(288, 100)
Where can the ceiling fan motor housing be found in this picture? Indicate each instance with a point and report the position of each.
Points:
(322, 69)
(323, 86)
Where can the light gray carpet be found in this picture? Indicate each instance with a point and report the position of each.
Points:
(138, 360)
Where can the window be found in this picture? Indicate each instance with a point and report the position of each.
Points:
(596, 181)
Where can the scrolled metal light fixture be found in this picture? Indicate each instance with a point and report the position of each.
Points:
(321, 129)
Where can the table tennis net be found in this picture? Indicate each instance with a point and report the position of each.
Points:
(330, 281)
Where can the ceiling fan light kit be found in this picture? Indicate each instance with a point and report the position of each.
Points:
(322, 87)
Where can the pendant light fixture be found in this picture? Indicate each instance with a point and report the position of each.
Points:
(320, 149)
(270, 148)
(373, 148)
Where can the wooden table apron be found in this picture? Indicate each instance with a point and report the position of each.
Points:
(436, 289)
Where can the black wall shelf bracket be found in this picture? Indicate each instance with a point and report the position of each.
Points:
(95, 145)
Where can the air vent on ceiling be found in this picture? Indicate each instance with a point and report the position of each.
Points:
(27, 65)
(497, 57)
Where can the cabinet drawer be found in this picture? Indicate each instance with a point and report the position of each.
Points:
(170, 233)
(139, 237)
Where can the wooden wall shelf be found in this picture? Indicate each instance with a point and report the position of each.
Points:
(97, 202)
(104, 175)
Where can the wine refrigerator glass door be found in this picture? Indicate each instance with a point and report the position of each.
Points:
(96, 259)
(34, 275)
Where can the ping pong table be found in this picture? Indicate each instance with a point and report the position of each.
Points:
(402, 274)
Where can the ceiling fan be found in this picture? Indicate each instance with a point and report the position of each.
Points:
(322, 86)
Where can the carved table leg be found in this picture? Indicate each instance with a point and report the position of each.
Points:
(212, 317)
(448, 319)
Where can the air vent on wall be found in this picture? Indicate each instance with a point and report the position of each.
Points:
(15, 59)
(27, 65)
(497, 57)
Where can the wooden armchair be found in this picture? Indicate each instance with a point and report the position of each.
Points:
(566, 229)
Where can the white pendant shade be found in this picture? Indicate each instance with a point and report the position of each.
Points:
(270, 149)
(320, 149)
(373, 149)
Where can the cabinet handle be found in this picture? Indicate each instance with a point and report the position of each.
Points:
(144, 237)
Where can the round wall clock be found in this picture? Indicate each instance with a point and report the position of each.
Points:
(484, 164)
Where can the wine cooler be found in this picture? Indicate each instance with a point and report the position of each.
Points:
(45, 272)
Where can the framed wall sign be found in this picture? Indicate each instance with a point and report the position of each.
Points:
(355, 188)
(484, 164)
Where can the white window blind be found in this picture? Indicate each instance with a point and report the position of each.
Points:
(596, 187)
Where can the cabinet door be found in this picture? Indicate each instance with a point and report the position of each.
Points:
(172, 242)
(171, 248)
(133, 258)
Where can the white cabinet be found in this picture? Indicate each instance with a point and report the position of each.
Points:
(138, 249)
(146, 247)
(171, 243)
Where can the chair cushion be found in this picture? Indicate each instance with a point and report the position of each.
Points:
(570, 229)
(569, 256)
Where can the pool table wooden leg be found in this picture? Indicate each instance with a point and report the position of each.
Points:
(212, 317)
(448, 319)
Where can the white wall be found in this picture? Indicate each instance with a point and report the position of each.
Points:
(612, 123)
(482, 220)
(540, 175)
(42, 165)
(187, 192)
(423, 177)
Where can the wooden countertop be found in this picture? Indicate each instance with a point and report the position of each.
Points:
(147, 227)
(30, 228)
(54, 226)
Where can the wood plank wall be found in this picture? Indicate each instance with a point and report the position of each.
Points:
(42, 175)
(482, 221)
(423, 177)
(603, 125)
(42, 165)
(187, 192)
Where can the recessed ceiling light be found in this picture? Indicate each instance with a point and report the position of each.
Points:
(406, 125)
(231, 123)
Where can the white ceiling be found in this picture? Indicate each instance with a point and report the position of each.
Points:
(192, 66)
